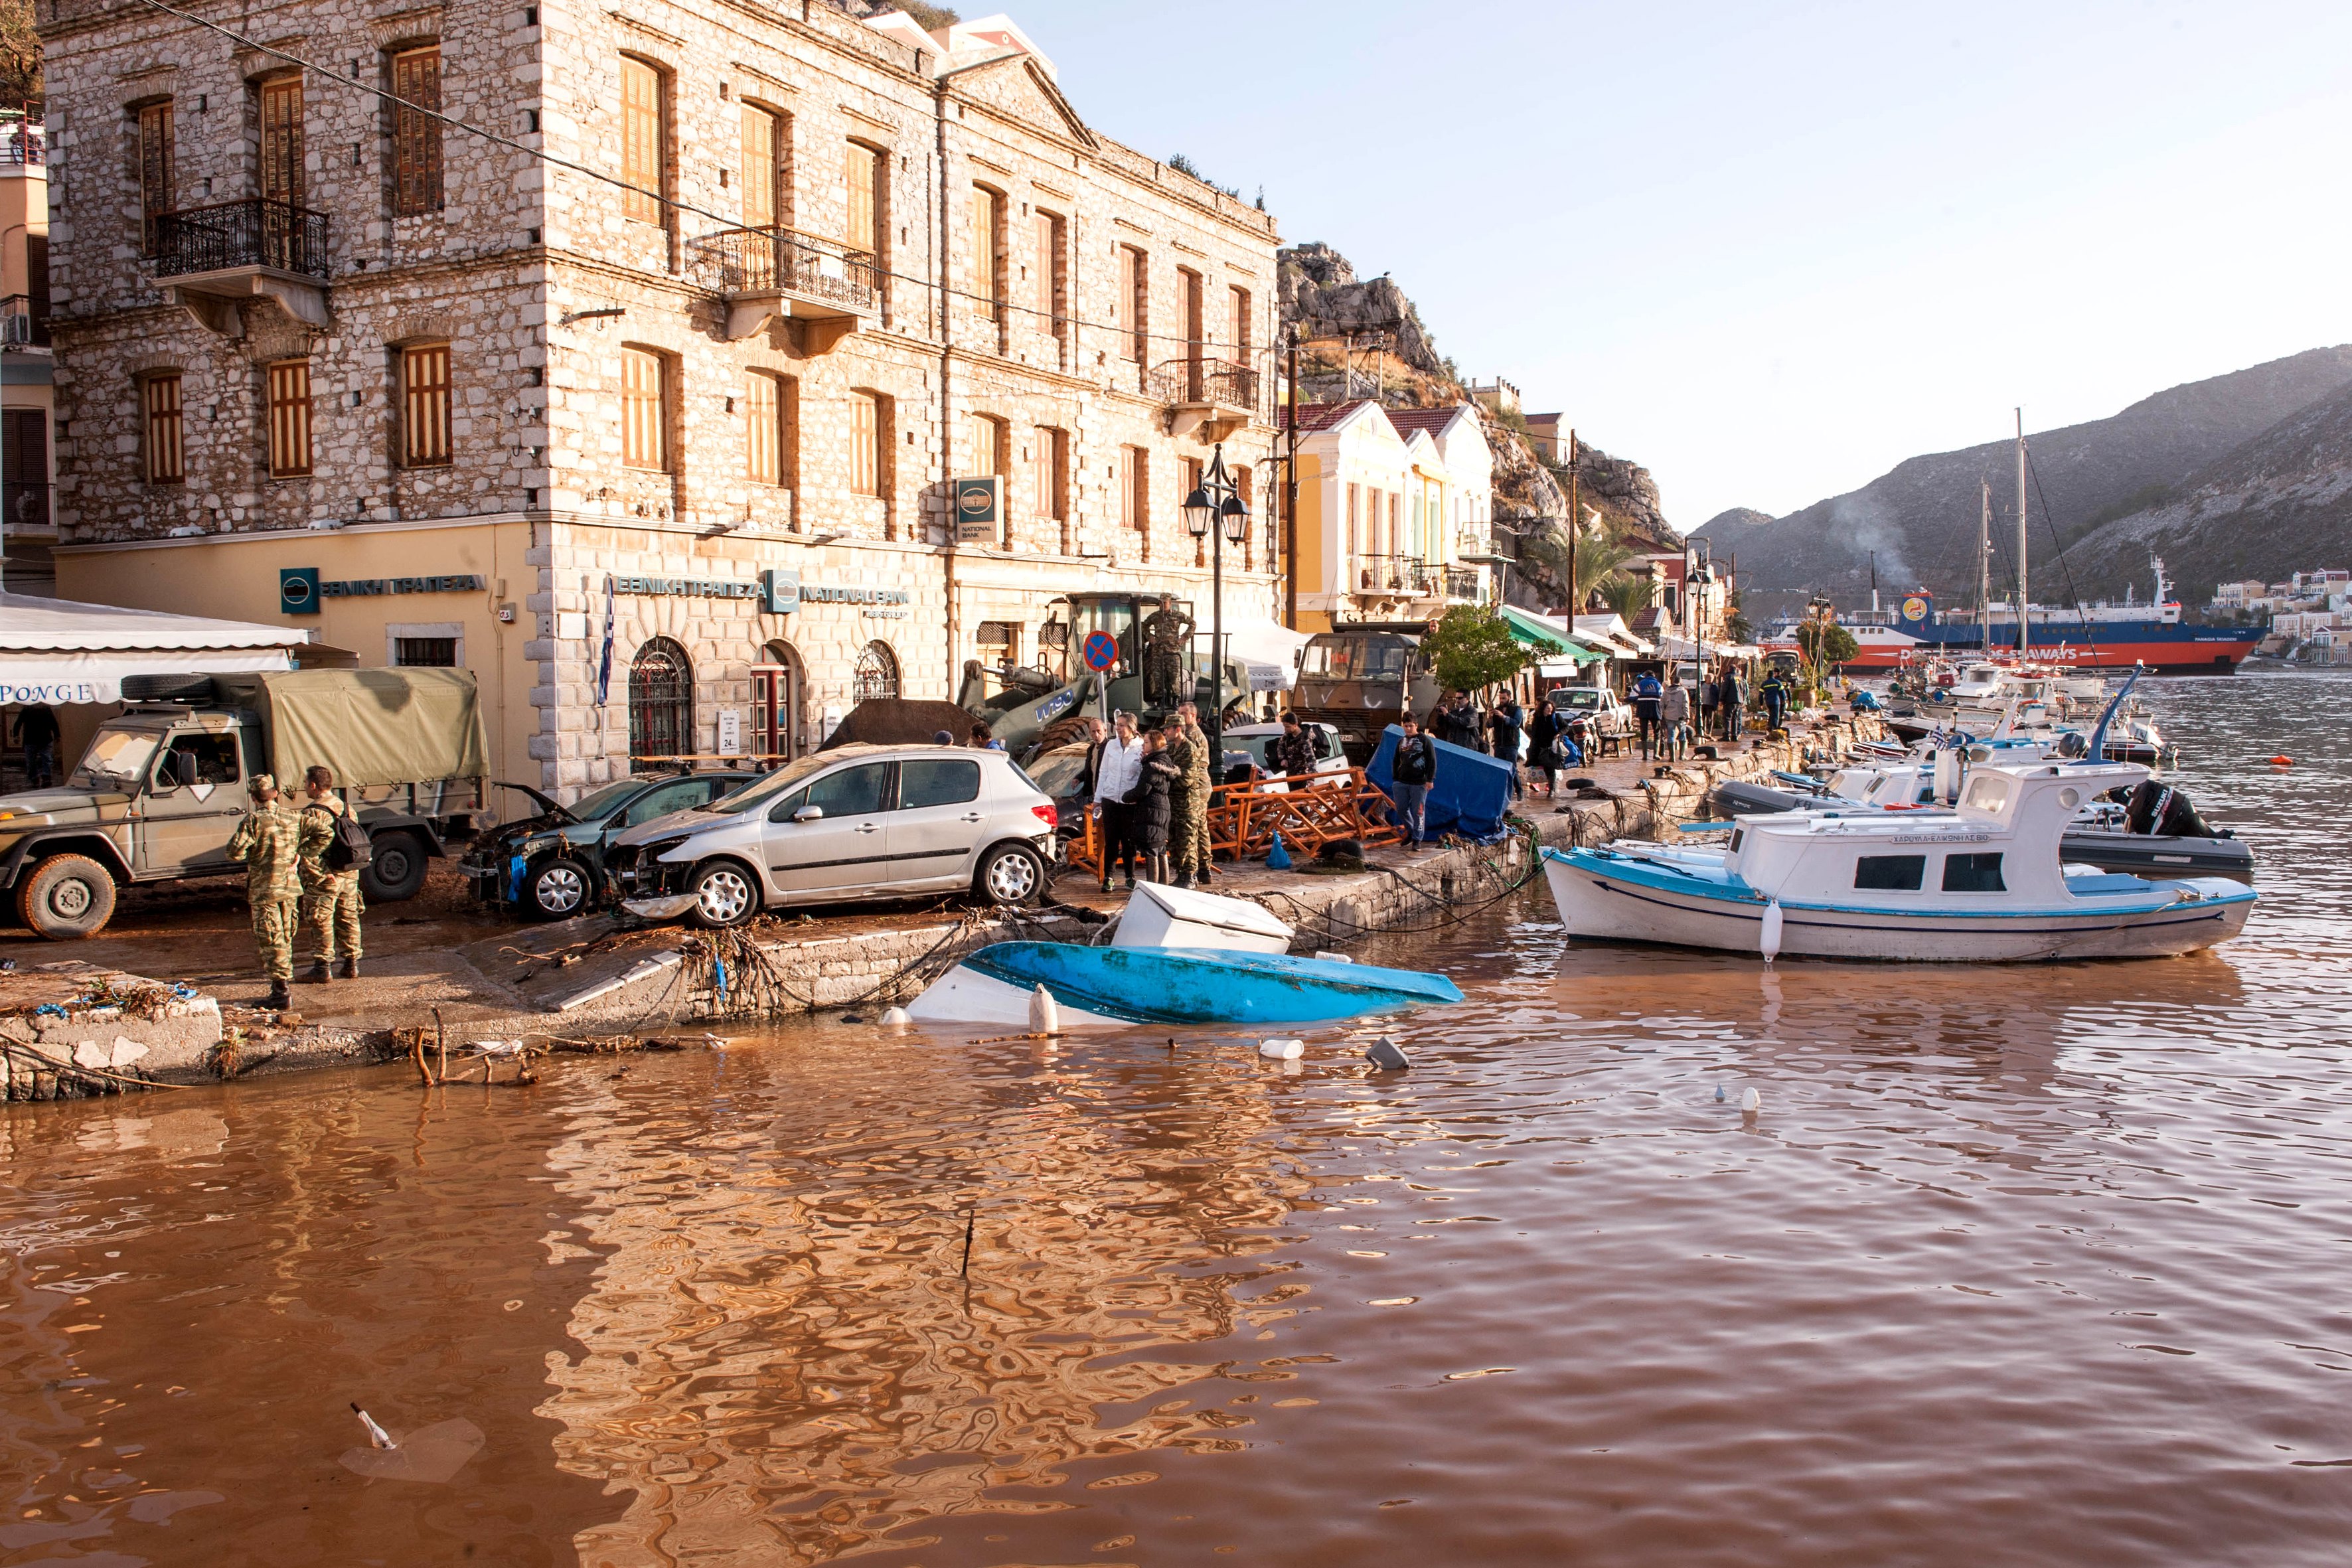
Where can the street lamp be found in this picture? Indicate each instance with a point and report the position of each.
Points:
(1698, 571)
(1216, 500)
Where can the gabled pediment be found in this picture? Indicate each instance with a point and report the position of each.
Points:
(1018, 88)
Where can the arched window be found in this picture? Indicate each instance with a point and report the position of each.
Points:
(878, 671)
(776, 703)
(661, 701)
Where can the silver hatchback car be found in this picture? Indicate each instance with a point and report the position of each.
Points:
(858, 822)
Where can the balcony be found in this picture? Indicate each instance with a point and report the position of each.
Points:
(23, 321)
(1462, 584)
(1214, 396)
(207, 258)
(830, 291)
(25, 505)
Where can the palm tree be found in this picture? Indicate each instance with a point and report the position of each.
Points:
(1625, 595)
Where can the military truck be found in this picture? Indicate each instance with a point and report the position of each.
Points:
(1362, 677)
(160, 789)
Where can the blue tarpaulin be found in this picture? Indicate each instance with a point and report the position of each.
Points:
(1469, 795)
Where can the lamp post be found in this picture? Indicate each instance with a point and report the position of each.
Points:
(1214, 509)
(1698, 571)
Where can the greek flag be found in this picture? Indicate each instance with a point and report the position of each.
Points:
(604, 664)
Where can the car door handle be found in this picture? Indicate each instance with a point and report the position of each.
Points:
(869, 827)
(972, 817)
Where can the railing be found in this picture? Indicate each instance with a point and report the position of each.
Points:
(22, 144)
(1461, 582)
(1214, 381)
(254, 232)
(771, 261)
(26, 504)
(24, 320)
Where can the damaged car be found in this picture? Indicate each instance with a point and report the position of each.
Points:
(552, 865)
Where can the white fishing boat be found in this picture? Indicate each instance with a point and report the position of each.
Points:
(1981, 880)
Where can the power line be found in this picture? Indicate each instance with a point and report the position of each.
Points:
(495, 139)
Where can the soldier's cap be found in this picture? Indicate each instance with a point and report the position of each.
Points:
(259, 782)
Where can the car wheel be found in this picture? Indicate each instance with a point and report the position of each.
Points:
(724, 895)
(1010, 874)
(395, 867)
(558, 889)
(66, 896)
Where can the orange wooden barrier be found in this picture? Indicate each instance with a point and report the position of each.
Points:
(1314, 810)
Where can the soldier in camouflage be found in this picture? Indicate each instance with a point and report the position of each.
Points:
(332, 905)
(1187, 841)
(1166, 631)
(267, 841)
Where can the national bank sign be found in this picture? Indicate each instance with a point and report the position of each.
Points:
(300, 590)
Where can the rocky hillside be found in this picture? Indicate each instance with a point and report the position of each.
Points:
(2280, 502)
(1921, 516)
(1365, 337)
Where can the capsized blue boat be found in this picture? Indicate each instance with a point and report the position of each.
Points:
(1114, 986)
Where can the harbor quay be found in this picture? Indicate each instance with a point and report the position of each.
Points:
(118, 1016)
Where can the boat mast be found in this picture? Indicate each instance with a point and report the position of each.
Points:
(2024, 639)
(1984, 568)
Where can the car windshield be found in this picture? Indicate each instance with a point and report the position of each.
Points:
(1056, 773)
(1359, 657)
(1576, 698)
(598, 804)
(763, 790)
(115, 757)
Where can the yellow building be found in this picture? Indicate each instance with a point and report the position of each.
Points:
(1395, 512)
(28, 523)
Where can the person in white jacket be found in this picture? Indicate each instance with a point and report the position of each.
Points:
(1116, 774)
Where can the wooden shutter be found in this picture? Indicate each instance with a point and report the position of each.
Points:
(979, 431)
(644, 441)
(985, 293)
(1240, 327)
(865, 440)
(860, 171)
(166, 460)
(763, 444)
(641, 140)
(759, 170)
(290, 419)
(416, 137)
(425, 405)
(154, 168)
(281, 140)
(1136, 279)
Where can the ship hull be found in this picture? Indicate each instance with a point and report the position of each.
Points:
(2201, 650)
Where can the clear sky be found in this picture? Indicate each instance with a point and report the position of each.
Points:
(1770, 251)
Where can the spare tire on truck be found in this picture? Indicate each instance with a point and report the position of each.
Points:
(65, 897)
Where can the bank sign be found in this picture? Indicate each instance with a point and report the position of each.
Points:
(300, 590)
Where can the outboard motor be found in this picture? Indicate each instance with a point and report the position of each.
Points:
(2162, 810)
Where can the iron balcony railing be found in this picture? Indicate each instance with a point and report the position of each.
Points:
(24, 320)
(774, 260)
(23, 144)
(26, 504)
(1461, 582)
(1215, 381)
(256, 231)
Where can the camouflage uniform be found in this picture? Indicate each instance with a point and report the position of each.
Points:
(1189, 843)
(332, 905)
(1184, 807)
(1165, 633)
(265, 842)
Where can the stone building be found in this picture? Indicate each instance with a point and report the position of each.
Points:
(457, 331)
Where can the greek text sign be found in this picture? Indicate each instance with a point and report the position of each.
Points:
(364, 587)
(689, 587)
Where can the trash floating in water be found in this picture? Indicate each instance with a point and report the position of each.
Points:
(376, 1434)
(2281, 762)
(1282, 1051)
(1719, 1095)
(1045, 1017)
(1387, 1056)
(1750, 1101)
(892, 1017)
(431, 1454)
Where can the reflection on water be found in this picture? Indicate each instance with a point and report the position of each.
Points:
(2010, 1267)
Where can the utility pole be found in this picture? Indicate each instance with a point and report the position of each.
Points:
(1290, 498)
(1984, 569)
(1575, 531)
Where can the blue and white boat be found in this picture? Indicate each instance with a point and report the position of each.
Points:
(1981, 882)
(1109, 987)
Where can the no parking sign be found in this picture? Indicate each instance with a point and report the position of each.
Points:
(1100, 651)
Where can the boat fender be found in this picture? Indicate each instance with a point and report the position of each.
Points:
(1045, 1017)
(1386, 1056)
(1769, 943)
(1750, 1102)
(895, 1018)
(1282, 1051)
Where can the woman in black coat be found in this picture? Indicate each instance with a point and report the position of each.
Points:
(1542, 729)
(1155, 808)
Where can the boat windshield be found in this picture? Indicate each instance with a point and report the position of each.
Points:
(1987, 793)
(117, 759)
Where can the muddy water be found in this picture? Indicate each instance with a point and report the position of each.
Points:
(2012, 1267)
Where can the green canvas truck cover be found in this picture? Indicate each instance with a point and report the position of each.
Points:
(371, 726)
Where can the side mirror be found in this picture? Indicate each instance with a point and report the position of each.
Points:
(185, 763)
(809, 813)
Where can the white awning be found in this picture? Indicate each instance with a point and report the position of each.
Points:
(1269, 648)
(59, 651)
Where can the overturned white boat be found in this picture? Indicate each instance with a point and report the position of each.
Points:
(1981, 882)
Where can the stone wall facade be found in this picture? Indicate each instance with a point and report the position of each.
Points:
(541, 280)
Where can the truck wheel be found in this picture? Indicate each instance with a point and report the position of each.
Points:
(395, 867)
(558, 889)
(724, 895)
(1009, 874)
(65, 897)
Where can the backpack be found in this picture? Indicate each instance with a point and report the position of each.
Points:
(349, 849)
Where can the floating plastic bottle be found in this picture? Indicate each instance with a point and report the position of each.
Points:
(1282, 1051)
